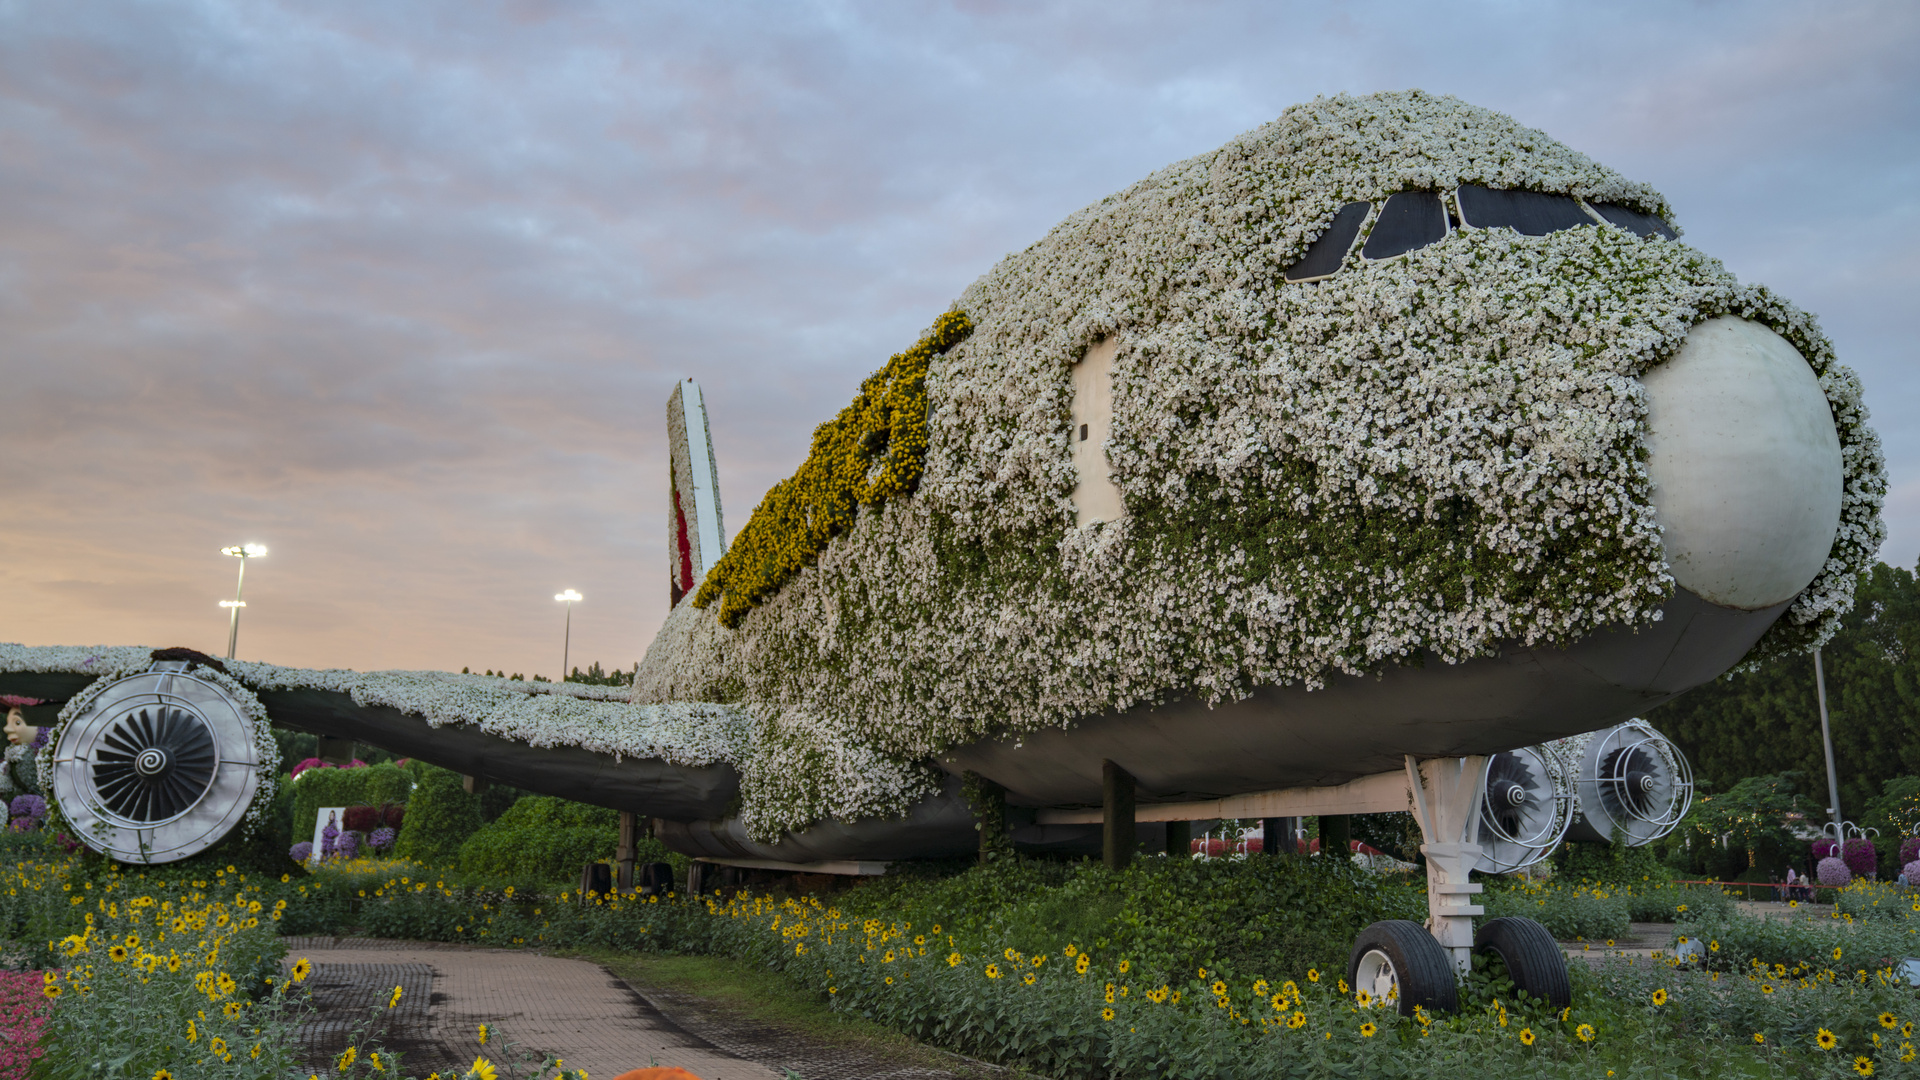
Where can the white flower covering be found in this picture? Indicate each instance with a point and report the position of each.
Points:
(538, 714)
(1412, 460)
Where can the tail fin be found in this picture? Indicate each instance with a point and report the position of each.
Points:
(696, 535)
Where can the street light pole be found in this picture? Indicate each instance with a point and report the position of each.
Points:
(243, 553)
(1826, 739)
(569, 598)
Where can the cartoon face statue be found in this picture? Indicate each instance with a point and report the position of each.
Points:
(19, 732)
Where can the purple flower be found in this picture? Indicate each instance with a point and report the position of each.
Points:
(22, 824)
(380, 839)
(309, 763)
(1861, 858)
(40, 738)
(329, 839)
(1909, 850)
(1912, 870)
(347, 846)
(29, 806)
(1823, 849)
(1833, 873)
(301, 851)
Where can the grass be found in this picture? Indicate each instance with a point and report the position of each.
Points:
(732, 990)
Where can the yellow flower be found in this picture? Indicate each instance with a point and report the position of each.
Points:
(162, 1074)
(218, 1045)
(1027, 978)
(347, 1058)
(1219, 988)
(1082, 963)
(1863, 1065)
(1011, 955)
(1826, 1039)
(1038, 960)
(301, 969)
(1766, 988)
(1526, 1036)
(1070, 951)
(1889, 1021)
(1759, 1039)
(1836, 952)
(953, 959)
(1297, 1020)
(1660, 997)
(51, 990)
(1682, 907)
(1584, 1033)
(481, 1069)
(1364, 999)
(193, 1033)
(1106, 1013)
(395, 999)
(1126, 966)
(484, 1034)
(117, 953)
(993, 971)
(1174, 997)
(1312, 975)
(231, 1010)
(1367, 1029)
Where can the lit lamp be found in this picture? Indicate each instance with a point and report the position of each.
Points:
(569, 598)
(233, 606)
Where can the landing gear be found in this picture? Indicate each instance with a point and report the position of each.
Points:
(1402, 962)
(1534, 961)
(1399, 964)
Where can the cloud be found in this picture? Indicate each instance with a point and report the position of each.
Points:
(401, 290)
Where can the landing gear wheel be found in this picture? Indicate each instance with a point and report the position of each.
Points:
(1398, 962)
(1534, 960)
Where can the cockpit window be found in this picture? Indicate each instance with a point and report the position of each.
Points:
(1409, 220)
(1530, 213)
(1325, 255)
(1635, 222)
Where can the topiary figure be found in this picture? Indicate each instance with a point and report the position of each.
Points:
(440, 817)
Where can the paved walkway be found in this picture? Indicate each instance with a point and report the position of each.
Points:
(572, 1008)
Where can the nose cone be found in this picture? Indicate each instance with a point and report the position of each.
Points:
(1745, 464)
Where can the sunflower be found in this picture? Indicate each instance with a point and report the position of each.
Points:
(1660, 997)
(1297, 1020)
(1012, 957)
(1367, 1029)
(117, 953)
(1889, 1021)
(1759, 1039)
(162, 1074)
(484, 1034)
(1863, 1065)
(1279, 1002)
(993, 971)
(347, 1058)
(1526, 1036)
(953, 959)
(481, 1069)
(1106, 1014)
(1836, 952)
(1219, 988)
(1082, 963)
(395, 999)
(1126, 966)
(1364, 999)
(1766, 988)
(301, 969)
(51, 990)
(1313, 975)
(1070, 951)
(218, 1045)
(1826, 1039)
(1174, 997)
(1027, 979)
(1584, 1033)
(231, 1010)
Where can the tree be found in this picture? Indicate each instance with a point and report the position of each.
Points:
(1766, 722)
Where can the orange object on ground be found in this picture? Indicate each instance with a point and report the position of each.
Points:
(658, 1072)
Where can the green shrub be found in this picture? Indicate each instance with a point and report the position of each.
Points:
(315, 788)
(440, 817)
(541, 838)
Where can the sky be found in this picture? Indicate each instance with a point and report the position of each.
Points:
(401, 290)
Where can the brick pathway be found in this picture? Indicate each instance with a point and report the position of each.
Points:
(572, 1008)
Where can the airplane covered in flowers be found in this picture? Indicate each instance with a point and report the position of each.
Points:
(1392, 456)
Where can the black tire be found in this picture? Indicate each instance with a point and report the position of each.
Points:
(1534, 960)
(656, 878)
(1420, 965)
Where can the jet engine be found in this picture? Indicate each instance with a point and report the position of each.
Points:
(1527, 806)
(1633, 785)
